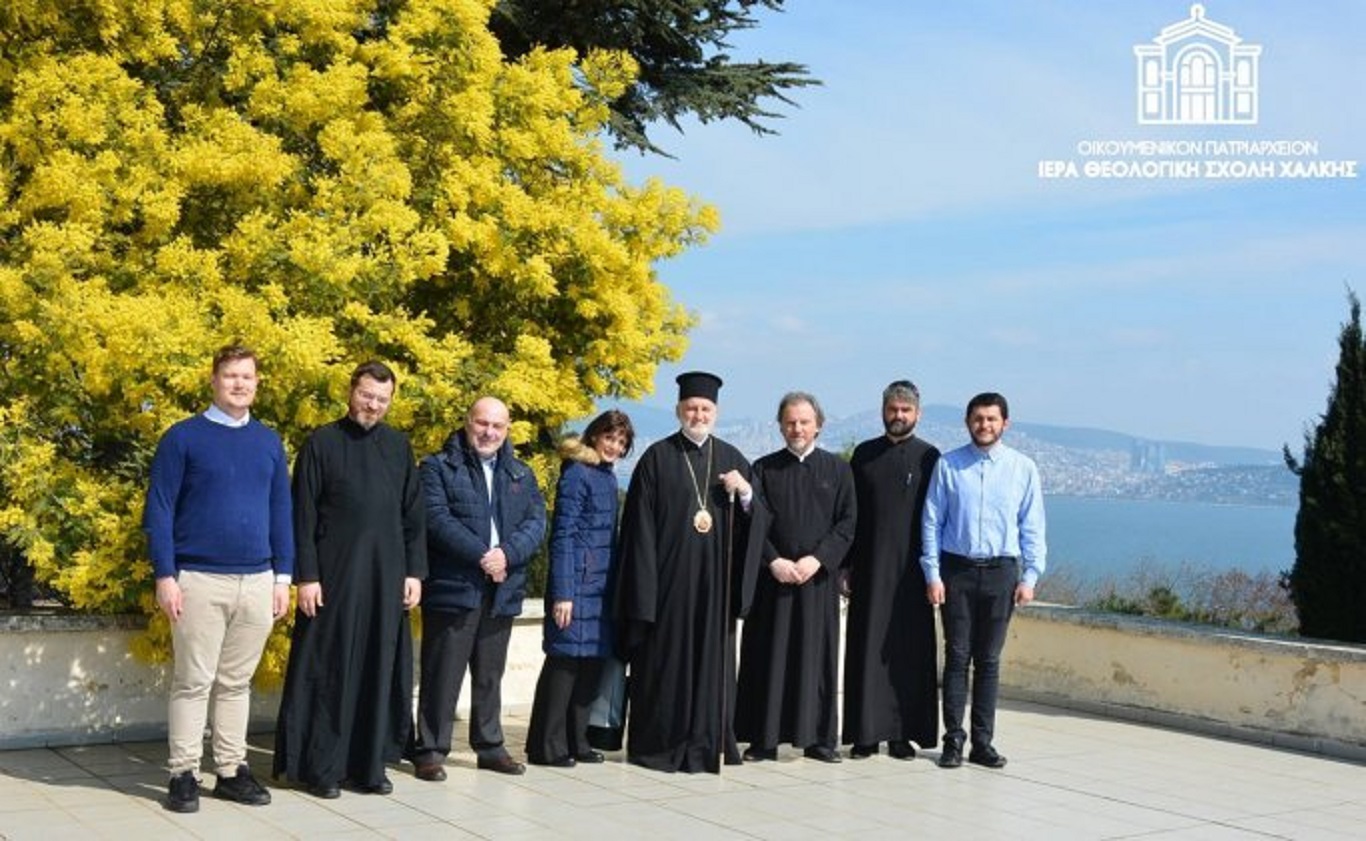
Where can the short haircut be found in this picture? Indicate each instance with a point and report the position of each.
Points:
(793, 398)
(375, 370)
(612, 420)
(986, 399)
(232, 353)
(903, 391)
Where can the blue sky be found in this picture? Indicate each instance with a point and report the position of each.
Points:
(897, 226)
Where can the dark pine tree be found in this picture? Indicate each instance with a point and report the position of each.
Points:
(681, 48)
(1329, 576)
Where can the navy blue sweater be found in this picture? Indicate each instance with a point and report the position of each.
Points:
(218, 500)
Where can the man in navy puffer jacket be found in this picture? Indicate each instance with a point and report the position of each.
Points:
(485, 521)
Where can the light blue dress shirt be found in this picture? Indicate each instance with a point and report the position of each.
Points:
(984, 504)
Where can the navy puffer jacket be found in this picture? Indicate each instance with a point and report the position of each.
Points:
(582, 553)
(458, 516)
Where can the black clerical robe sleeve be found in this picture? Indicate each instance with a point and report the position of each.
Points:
(308, 489)
(834, 544)
(637, 584)
(414, 516)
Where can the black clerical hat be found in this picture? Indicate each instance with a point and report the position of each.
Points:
(698, 384)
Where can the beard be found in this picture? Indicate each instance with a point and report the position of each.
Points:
(697, 431)
(898, 428)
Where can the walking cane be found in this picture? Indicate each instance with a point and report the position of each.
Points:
(727, 648)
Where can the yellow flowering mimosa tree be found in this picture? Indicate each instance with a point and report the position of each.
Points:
(327, 181)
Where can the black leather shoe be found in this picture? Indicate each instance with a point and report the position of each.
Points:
(820, 753)
(591, 757)
(325, 791)
(951, 756)
(384, 786)
(241, 788)
(754, 753)
(502, 765)
(863, 751)
(182, 795)
(987, 757)
(563, 762)
(432, 772)
(901, 749)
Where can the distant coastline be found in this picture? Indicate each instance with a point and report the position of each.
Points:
(1073, 461)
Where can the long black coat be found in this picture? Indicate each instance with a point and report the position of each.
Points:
(670, 605)
(890, 677)
(789, 655)
(347, 703)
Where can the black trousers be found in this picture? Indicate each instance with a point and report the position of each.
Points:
(559, 717)
(452, 641)
(978, 602)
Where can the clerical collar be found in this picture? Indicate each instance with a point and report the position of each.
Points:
(802, 456)
(698, 441)
(222, 418)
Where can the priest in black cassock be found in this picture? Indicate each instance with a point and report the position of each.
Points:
(801, 526)
(890, 678)
(682, 536)
(362, 554)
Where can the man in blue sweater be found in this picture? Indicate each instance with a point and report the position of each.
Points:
(221, 540)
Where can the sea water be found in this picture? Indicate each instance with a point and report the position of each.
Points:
(1110, 539)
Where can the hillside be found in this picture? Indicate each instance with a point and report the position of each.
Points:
(1077, 461)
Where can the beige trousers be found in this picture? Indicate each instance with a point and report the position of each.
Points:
(224, 623)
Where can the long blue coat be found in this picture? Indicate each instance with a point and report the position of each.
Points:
(582, 553)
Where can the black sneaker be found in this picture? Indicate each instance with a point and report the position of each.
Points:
(242, 788)
(183, 793)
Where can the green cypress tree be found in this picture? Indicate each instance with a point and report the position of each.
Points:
(1329, 575)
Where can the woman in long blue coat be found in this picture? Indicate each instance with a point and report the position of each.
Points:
(578, 633)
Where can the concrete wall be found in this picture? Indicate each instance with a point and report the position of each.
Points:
(71, 680)
(1288, 692)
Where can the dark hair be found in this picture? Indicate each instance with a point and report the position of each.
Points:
(902, 390)
(793, 398)
(986, 399)
(375, 370)
(232, 353)
(612, 420)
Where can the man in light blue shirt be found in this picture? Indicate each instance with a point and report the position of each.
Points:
(982, 551)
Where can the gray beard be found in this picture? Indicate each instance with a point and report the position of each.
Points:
(898, 429)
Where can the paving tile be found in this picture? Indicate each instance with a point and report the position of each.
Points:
(1071, 776)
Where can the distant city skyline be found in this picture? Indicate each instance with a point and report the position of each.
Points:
(899, 226)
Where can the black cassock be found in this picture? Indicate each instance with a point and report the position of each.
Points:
(789, 651)
(676, 637)
(890, 677)
(358, 523)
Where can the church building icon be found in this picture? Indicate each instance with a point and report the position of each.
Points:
(1197, 72)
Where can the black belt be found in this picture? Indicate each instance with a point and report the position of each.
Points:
(984, 563)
